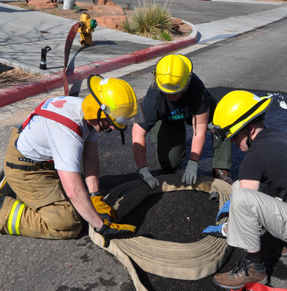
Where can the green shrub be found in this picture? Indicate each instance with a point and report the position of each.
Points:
(166, 36)
(150, 20)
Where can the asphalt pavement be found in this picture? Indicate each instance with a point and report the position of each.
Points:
(30, 264)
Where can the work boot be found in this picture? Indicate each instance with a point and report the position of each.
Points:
(222, 174)
(284, 251)
(5, 188)
(280, 248)
(245, 272)
(2, 198)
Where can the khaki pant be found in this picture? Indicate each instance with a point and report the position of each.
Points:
(169, 139)
(250, 211)
(48, 212)
(170, 144)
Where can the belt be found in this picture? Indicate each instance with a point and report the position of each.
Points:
(35, 167)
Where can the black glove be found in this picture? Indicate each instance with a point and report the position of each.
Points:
(112, 230)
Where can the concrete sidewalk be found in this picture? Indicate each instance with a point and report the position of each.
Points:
(23, 40)
(26, 32)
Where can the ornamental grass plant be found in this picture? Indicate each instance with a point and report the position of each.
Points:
(150, 20)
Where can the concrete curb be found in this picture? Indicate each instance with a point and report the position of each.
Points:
(55, 81)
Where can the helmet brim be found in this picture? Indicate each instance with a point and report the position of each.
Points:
(227, 132)
(237, 127)
(172, 88)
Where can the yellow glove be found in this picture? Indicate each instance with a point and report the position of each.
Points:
(103, 209)
(112, 230)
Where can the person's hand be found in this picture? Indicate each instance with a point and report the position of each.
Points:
(216, 230)
(190, 175)
(112, 230)
(224, 211)
(103, 209)
(148, 178)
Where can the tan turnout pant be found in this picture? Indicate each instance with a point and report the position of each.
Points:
(47, 212)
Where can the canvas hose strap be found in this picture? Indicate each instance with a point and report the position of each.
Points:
(69, 41)
(184, 261)
(14, 217)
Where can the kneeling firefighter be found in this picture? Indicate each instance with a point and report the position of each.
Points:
(43, 164)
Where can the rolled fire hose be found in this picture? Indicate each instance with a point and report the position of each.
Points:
(184, 261)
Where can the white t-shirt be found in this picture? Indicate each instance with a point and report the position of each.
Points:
(44, 139)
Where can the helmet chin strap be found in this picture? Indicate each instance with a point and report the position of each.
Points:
(123, 137)
(187, 83)
(98, 120)
(248, 140)
(109, 129)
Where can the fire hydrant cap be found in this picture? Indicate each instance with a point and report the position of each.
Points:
(94, 23)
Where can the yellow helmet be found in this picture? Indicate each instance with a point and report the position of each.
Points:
(110, 98)
(172, 73)
(235, 110)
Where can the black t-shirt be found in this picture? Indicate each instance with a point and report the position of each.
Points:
(266, 161)
(156, 106)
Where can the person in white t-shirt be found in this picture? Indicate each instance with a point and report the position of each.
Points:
(43, 164)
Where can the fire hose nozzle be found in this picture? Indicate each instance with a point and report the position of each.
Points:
(44, 52)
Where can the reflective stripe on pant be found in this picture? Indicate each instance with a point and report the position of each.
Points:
(14, 218)
(48, 213)
(249, 211)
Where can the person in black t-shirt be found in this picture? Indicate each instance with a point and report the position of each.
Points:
(259, 197)
(178, 97)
